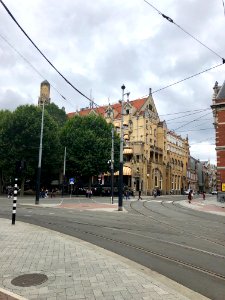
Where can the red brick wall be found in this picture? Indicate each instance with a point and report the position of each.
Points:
(220, 141)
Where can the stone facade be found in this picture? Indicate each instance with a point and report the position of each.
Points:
(44, 93)
(154, 157)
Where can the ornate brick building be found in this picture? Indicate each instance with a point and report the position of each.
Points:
(154, 157)
(218, 108)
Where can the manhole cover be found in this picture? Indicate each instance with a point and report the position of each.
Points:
(29, 279)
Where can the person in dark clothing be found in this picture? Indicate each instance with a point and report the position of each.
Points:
(139, 195)
(190, 196)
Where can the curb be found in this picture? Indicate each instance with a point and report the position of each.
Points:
(7, 295)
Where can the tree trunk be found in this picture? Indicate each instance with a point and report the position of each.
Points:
(89, 182)
(1, 181)
(22, 186)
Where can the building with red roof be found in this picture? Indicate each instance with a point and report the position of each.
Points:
(154, 158)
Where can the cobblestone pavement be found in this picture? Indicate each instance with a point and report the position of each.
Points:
(75, 269)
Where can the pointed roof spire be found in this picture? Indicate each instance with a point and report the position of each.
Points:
(221, 94)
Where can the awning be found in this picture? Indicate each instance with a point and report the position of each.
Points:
(127, 151)
(126, 171)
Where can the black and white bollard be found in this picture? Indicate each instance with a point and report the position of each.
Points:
(14, 202)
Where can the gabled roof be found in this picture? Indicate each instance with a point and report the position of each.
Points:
(221, 94)
(138, 103)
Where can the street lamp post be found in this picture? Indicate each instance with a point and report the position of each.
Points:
(40, 157)
(120, 200)
(112, 166)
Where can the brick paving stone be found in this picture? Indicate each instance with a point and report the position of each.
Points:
(75, 269)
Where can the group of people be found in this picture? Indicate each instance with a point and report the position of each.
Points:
(191, 195)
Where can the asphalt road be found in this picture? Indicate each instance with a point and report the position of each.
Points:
(185, 245)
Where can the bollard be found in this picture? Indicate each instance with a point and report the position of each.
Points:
(14, 202)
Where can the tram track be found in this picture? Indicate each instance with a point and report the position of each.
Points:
(182, 231)
(141, 249)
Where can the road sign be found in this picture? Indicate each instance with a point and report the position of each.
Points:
(223, 187)
(71, 180)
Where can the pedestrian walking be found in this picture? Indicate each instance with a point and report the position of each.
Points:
(127, 194)
(203, 195)
(190, 196)
(139, 195)
(155, 193)
(10, 192)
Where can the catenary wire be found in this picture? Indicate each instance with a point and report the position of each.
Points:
(35, 69)
(183, 121)
(210, 128)
(189, 77)
(172, 21)
(191, 114)
(64, 98)
(192, 121)
(24, 32)
(91, 100)
(186, 111)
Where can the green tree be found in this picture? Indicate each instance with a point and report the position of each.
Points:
(59, 115)
(88, 142)
(21, 139)
(4, 117)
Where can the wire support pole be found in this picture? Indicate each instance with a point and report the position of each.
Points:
(40, 157)
(64, 172)
(120, 200)
(112, 166)
(14, 202)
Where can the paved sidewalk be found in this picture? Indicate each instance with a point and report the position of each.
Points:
(75, 269)
(210, 205)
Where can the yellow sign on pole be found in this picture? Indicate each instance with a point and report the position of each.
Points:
(223, 187)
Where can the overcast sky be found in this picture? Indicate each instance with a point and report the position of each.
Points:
(100, 45)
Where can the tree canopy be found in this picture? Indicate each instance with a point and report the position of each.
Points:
(20, 140)
(88, 140)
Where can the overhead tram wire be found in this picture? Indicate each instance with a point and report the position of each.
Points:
(192, 121)
(195, 111)
(208, 119)
(35, 69)
(191, 114)
(189, 77)
(187, 111)
(68, 82)
(97, 106)
(24, 32)
(185, 31)
(202, 129)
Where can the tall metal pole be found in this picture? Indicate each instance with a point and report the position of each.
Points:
(120, 200)
(112, 166)
(64, 172)
(40, 157)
